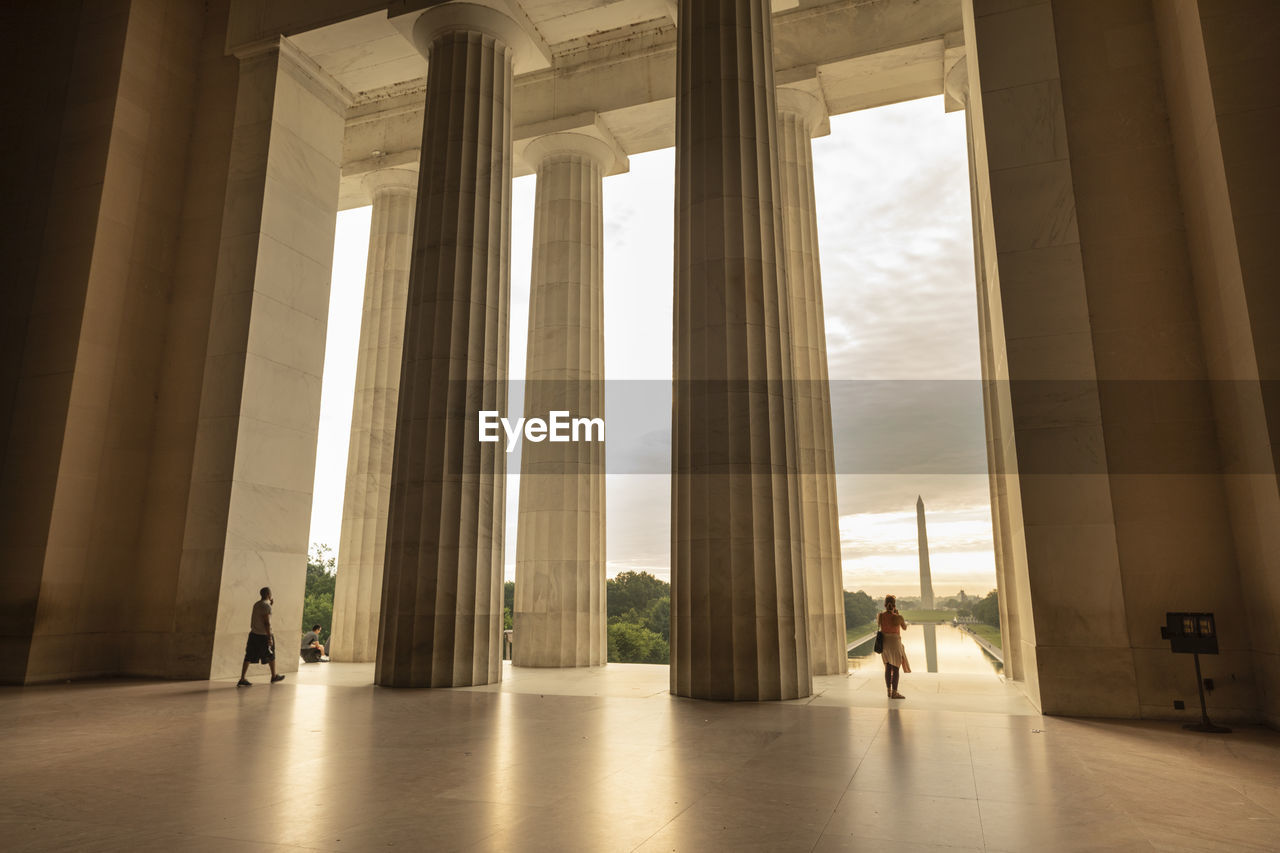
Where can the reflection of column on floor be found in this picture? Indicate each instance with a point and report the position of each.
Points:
(800, 115)
(930, 646)
(442, 588)
(738, 612)
(358, 597)
(559, 617)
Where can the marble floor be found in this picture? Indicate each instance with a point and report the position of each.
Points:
(605, 759)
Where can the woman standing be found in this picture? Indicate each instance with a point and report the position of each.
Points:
(893, 654)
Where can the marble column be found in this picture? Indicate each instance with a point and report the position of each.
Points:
(739, 626)
(441, 622)
(800, 115)
(358, 597)
(560, 554)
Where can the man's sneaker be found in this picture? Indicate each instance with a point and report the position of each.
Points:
(244, 682)
(275, 678)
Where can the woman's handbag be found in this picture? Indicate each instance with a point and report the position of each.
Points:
(879, 646)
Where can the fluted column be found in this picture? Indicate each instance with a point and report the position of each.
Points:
(442, 587)
(738, 615)
(799, 115)
(358, 597)
(560, 554)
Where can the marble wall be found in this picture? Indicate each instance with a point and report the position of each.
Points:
(1172, 524)
(178, 386)
(138, 384)
(45, 238)
(93, 340)
(1214, 64)
(1108, 439)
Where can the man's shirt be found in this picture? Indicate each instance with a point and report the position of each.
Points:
(260, 623)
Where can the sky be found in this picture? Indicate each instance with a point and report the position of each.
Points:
(902, 347)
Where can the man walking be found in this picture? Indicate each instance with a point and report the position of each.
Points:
(261, 647)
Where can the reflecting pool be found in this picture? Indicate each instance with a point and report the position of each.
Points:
(932, 648)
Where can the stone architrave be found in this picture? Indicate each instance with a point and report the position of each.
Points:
(358, 597)
(799, 116)
(559, 617)
(441, 623)
(739, 627)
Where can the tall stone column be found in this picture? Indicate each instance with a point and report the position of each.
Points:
(799, 117)
(358, 598)
(442, 585)
(738, 617)
(248, 504)
(560, 553)
(995, 397)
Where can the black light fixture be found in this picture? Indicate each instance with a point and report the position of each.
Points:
(1194, 634)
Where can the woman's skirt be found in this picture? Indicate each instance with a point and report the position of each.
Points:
(894, 653)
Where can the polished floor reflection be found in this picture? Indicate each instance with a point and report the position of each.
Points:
(933, 647)
(600, 760)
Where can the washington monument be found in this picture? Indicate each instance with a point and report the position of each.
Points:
(926, 582)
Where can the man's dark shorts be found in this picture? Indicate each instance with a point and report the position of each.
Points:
(258, 649)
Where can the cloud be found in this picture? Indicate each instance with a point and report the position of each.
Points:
(902, 344)
(897, 262)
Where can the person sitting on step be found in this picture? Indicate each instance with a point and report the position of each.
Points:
(312, 648)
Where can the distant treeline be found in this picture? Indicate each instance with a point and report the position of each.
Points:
(860, 608)
(639, 609)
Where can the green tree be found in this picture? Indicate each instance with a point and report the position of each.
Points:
(633, 643)
(987, 610)
(657, 617)
(859, 608)
(633, 591)
(322, 579)
(508, 604)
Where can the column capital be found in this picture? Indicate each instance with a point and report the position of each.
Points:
(955, 79)
(808, 106)
(534, 142)
(551, 144)
(383, 180)
(504, 22)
